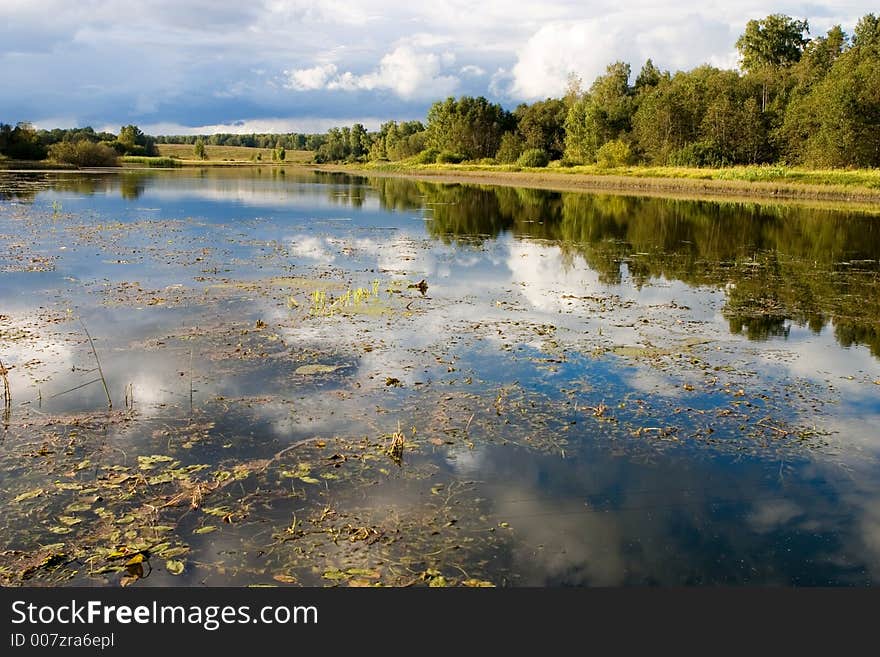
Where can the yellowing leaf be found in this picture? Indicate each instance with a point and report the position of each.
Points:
(335, 575)
(174, 566)
(31, 494)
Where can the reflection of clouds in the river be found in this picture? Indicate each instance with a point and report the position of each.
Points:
(654, 382)
(772, 515)
(256, 194)
(316, 249)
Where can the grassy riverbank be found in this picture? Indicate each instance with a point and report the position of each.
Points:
(777, 182)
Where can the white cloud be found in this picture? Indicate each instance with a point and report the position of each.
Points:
(472, 71)
(586, 47)
(305, 124)
(409, 73)
(193, 61)
(309, 79)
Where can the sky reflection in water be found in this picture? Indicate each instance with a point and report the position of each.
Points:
(634, 390)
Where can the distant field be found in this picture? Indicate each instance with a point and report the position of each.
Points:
(230, 153)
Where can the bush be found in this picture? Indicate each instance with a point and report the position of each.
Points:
(612, 154)
(698, 154)
(511, 148)
(83, 154)
(533, 157)
(427, 156)
(448, 157)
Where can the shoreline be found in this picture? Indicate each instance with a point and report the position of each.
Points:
(667, 187)
(848, 196)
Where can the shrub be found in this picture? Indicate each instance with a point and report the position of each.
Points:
(448, 157)
(511, 148)
(83, 154)
(533, 157)
(698, 154)
(611, 154)
(427, 156)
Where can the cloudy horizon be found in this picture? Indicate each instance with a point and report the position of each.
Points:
(198, 67)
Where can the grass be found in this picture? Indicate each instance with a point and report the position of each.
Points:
(231, 154)
(159, 162)
(869, 178)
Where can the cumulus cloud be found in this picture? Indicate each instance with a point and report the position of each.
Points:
(309, 79)
(472, 70)
(586, 47)
(405, 71)
(193, 62)
(306, 124)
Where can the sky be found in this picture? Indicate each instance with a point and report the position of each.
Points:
(204, 66)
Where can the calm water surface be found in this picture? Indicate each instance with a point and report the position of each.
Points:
(585, 390)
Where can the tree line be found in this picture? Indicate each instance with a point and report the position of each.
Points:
(78, 146)
(798, 100)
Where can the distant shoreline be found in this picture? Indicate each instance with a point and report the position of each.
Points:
(696, 184)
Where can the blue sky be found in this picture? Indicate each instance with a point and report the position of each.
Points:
(189, 66)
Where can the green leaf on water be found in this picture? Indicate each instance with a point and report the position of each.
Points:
(163, 478)
(149, 462)
(309, 480)
(335, 575)
(205, 530)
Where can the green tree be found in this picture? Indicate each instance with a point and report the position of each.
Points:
(603, 114)
(775, 41)
(649, 77)
(867, 33)
(199, 149)
(133, 141)
(542, 126)
(358, 141)
(21, 142)
(470, 126)
(510, 149)
(839, 117)
(769, 46)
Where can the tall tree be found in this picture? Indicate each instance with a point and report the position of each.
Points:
(770, 45)
(603, 114)
(542, 126)
(471, 127)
